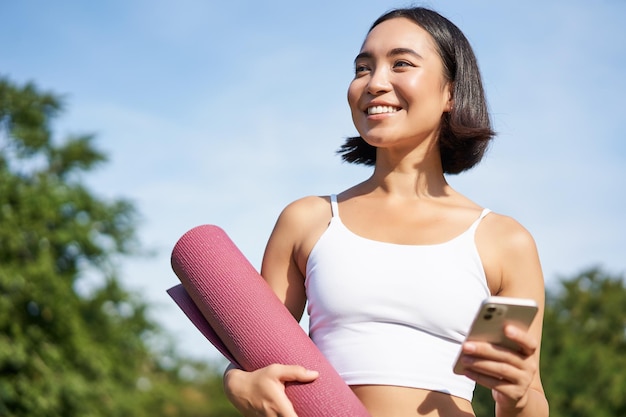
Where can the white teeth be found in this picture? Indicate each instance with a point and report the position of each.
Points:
(381, 109)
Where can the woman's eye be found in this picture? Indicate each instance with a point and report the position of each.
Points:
(402, 64)
(358, 69)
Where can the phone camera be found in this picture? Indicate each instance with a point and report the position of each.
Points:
(490, 312)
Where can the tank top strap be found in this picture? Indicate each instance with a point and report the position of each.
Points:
(334, 206)
(474, 225)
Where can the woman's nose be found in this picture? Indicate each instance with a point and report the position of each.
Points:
(379, 82)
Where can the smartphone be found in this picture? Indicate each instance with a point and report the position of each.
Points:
(494, 313)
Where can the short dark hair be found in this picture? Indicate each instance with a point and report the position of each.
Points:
(465, 130)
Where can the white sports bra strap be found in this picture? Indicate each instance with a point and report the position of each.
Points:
(474, 225)
(334, 206)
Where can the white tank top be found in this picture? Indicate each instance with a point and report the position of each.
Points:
(391, 314)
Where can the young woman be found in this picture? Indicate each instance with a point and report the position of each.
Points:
(394, 268)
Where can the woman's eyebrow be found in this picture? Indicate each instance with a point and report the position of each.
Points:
(363, 55)
(393, 52)
(402, 51)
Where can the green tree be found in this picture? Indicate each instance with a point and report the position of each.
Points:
(63, 352)
(584, 348)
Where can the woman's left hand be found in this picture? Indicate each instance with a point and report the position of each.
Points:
(508, 373)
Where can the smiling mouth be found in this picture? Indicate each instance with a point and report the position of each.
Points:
(382, 110)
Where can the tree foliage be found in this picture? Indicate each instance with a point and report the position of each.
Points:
(584, 351)
(63, 352)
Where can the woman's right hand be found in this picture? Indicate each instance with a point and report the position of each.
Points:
(262, 392)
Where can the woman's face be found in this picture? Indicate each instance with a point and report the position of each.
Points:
(399, 92)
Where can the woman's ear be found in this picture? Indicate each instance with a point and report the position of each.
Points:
(450, 102)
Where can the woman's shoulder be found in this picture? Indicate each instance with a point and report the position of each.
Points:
(301, 223)
(305, 217)
(510, 257)
(306, 208)
(506, 231)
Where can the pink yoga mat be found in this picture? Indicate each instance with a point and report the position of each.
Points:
(231, 304)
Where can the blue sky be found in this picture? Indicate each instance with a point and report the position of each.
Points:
(224, 112)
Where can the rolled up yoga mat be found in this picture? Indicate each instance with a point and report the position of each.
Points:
(233, 306)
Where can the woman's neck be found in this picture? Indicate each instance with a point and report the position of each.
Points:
(415, 177)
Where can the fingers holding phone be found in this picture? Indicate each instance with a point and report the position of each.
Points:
(527, 345)
(498, 350)
(499, 329)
